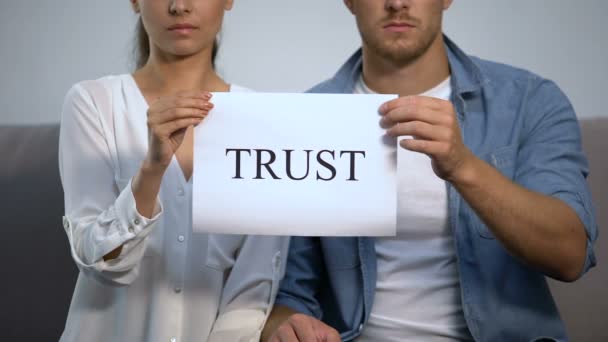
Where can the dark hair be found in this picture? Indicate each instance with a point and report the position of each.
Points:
(142, 47)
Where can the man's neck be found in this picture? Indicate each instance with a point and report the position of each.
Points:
(411, 78)
(169, 75)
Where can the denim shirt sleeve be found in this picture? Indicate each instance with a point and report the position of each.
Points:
(302, 279)
(550, 159)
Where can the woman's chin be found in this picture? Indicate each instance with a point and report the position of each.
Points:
(186, 50)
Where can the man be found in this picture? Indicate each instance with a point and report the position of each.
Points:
(492, 198)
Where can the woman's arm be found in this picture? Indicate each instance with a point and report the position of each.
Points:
(251, 286)
(99, 218)
(107, 226)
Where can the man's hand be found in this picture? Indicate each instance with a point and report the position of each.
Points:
(541, 230)
(304, 328)
(434, 128)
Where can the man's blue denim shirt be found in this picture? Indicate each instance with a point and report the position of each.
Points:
(521, 124)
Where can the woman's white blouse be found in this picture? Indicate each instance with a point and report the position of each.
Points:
(169, 284)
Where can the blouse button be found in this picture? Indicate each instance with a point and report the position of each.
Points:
(66, 223)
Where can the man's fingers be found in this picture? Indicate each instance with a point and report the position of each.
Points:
(303, 327)
(333, 336)
(285, 333)
(327, 333)
(430, 148)
(403, 114)
(388, 106)
(412, 101)
(420, 108)
(421, 130)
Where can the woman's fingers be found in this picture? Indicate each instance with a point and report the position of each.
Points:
(178, 113)
(167, 129)
(194, 93)
(164, 105)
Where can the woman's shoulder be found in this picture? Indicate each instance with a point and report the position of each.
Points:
(94, 98)
(100, 86)
(101, 93)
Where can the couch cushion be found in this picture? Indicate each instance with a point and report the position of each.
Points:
(584, 304)
(38, 274)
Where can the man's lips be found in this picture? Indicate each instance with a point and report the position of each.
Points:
(398, 27)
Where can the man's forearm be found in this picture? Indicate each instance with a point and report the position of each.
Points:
(540, 230)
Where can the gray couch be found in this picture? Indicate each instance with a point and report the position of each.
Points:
(38, 274)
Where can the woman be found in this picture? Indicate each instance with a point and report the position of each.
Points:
(126, 167)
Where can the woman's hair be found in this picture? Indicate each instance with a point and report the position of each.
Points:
(142, 47)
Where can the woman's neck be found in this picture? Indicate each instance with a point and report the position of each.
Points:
(163, 75)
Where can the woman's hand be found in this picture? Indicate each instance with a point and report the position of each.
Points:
(168, 119)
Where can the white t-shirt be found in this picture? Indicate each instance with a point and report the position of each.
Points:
(169, 284)
(418, 289)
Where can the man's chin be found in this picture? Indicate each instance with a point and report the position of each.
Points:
(399, 55)
(395, 50)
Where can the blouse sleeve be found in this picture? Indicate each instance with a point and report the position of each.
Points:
(251, 287)
(99, 217)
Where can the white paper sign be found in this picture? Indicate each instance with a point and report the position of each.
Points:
(294, 164)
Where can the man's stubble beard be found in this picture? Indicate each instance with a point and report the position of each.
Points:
(403, 54)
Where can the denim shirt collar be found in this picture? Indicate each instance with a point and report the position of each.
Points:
(466, 75)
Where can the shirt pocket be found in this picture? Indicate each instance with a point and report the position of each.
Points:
(503, 160)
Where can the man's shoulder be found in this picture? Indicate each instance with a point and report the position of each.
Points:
(514, 82)
(499, 73)
(326, 86)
